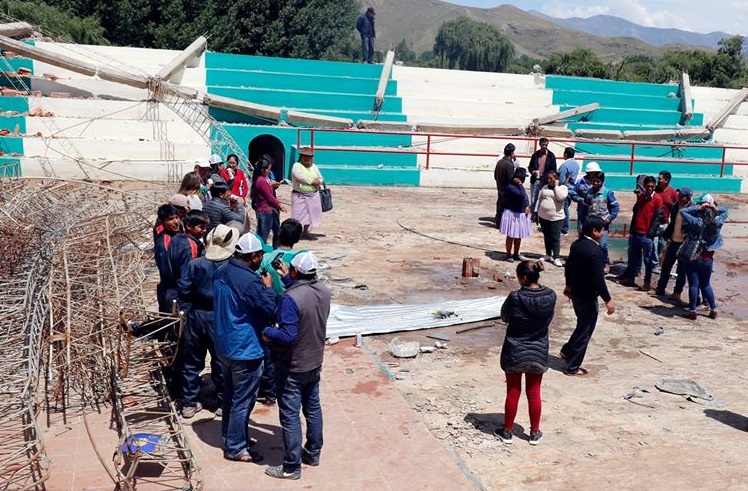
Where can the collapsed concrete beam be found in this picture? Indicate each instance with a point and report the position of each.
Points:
(385, 126)
(299, 117)
(599, 134)
(552, 118)
(72, 64)
(242, 107)
(176, 65)
(16, 29)
(655, 135)
(383, 78)
(686, 107)
(470, 130)
(553, 132)
(731, 107)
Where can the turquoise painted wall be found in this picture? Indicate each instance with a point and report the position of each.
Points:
(10, 145)
(291, 65)
(633, 117)
(700, 184)
(605, 99)
(608, 86)
(300, 82)
(14, 103)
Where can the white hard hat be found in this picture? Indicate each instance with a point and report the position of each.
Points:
(215, 159)
(593, 167)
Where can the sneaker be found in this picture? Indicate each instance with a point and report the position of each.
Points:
(268, 401)
(190, 411)
(509, 259)
(218, 412)
(547, 259)
(564, 233)
(535, 437)
(308, 460)
(656, 270)
(557, 262)
(520, 257)
(503, 435)
(278, 472)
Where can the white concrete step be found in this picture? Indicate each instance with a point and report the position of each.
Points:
(426, 90)
(116, 150)
(103, 109)
(731, 136)
(438, 76)
(148, 170)
(122, 56)
(426, 108)
(110, 129)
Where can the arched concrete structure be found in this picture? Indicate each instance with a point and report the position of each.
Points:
(271, 145)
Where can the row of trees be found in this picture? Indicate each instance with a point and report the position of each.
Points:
(323, 29)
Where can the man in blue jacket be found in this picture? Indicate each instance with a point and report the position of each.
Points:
(365, 27)
(244, 303)
(195, 288)
(299, 345)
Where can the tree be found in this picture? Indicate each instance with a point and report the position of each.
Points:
(471, 45)
(580, 62)
(59, 22)
(405, 53)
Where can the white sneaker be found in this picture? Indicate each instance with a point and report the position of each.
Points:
(557, 262)
(547, 259)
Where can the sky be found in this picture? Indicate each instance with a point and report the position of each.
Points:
(730, 16)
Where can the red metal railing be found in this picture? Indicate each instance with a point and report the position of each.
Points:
(429, 152)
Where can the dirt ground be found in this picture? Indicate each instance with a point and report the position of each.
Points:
(406, 245)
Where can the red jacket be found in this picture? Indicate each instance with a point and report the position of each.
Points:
(648, 213)
(669, 198)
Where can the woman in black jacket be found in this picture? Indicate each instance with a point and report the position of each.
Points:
(528, 312)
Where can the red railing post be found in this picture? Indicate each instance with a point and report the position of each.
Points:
(633, 159)
(311, 139)
(428, 150)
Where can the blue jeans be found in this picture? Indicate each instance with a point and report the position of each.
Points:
(267, 382)
(671, 255)
(640, 247)
(534, 191)
(604, 244)
(299, 392)
(699, 275)
(565, 226)
(367, 49)
(268, 221)
(241, 379)
(197, 341)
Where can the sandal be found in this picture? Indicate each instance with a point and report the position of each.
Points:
(579, 372)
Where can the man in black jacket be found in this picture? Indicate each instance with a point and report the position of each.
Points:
(542, 162)
(365, 27)
(585, 281)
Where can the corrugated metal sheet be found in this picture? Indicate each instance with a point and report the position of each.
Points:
(377, 319)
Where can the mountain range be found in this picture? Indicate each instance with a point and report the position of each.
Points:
(608, 25)
(533, 34)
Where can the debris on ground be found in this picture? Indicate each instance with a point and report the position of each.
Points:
(404, 349)
(690, 389)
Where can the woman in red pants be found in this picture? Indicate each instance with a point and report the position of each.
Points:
(528, 312)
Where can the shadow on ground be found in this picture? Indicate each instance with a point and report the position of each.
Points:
(737, 421)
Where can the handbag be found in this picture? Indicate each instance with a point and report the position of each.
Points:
(325, 197)
(690, 250)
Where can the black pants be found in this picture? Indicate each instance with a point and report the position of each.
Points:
(552, 236)
(586, 310)
(671, 254)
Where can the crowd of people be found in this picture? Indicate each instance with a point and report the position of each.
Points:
(667, 226)
(256, 307)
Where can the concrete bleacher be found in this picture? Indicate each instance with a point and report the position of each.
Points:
(115, 127)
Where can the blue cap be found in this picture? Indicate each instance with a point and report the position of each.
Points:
(686, 191)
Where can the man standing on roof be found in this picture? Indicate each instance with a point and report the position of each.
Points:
(365, 27)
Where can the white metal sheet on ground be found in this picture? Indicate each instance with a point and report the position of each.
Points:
(378, 319)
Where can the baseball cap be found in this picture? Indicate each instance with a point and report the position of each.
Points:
(179, 200)
(221, 243)
(686, 191)
(305, 262)
(215, 159)
(248, 243)
(202, 163)
(592, 167)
